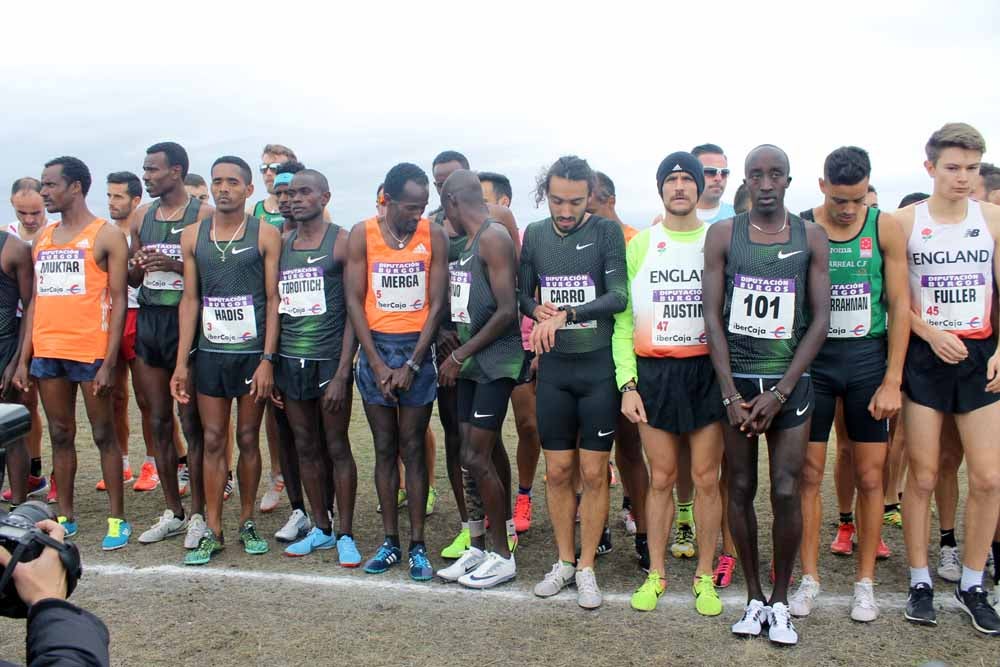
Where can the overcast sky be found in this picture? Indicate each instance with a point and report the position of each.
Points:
(513, 85)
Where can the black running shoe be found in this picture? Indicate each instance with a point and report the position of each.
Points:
(920, 605)
(976, 604)
(605, 546)
(642, 553)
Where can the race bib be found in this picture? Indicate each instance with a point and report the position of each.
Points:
(302, 292)
(569, 291)
(165, 280)
(677, 318)
(399, 287)
(762, 307)
(850, 310)
(953, 302)
(461, 284)
(228, 320)
(60, 273)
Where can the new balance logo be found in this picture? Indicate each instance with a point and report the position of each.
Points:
(971, 233)
(313, 260)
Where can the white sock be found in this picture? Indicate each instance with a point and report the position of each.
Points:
(920, 575)
(970, 578)
(465, 525)
(125, 462)
(511, 531)
(151, 460)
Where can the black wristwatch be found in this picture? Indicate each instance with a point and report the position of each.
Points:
(570, 313)
(268, 357)
(413, 366)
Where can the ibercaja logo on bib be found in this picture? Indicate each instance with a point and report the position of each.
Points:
(975, 323)
(702, 338)
(247, 336)
(178, 284)
(418, 304)
(780, 333)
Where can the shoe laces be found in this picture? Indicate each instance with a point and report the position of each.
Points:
(754, 612)
(950, 557)
(586, 582)
(864, 595)
(383, 552)
(419, 559)
(726, 563)
(555, 574)
(250, 531)
(780, 617)
(704, 584)
(685, 533)
(522, 508)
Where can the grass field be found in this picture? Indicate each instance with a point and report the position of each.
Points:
(272, 610)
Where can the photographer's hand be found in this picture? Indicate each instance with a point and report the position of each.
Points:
(44, 577)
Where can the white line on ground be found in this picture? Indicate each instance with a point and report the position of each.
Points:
(731, 599)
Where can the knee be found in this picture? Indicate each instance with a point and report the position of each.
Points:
(103, 434)
(741, 486)
(923, 480)
(706, 481)
(526, 425)
(869, 479)
(984, 482)
(662, 480)
(812, 476)
(594, 475)
(61, 433)
(474, 461)
(247, 439)
(785, 491)
(558, 474)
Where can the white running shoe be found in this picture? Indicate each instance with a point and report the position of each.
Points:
(196, 530)
(167, 526)
(559, 577)
(470, 559)
(297, 526)
(864, 609)
(804, 599)
(754, 616)
(588, 595)
(781, 630)
(494, 570)
(629, 520)
(272, 496)
(950, 564)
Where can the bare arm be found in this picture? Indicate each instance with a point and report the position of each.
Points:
(350, 341)
(110, 245)
(135, 270)
(355, 291)
(887, 399)
(187, 315)
(269, 244)
(527, 280)
(437, 288)
(498, 254)
(713, 289)
(22, 379)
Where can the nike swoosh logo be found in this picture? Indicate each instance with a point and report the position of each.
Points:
(784, 255)
(602, 434)
(236, 252)
(248, 381)
(801, 411)
(174, 230)
(475, 578)
(313, 260)
(323, 384)
(465, 261)
(609, 271)
(585, 245)
(479, 416)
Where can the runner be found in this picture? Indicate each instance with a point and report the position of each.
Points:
(196, 187)
(952, 365)
(231, 272)
(485, 368)
(577, 263)
(767, 312)
(72, 336)
(860, 365)
(443, 166)
(314, 365)
(665, 375)
(396, 291)
(16, 279)
(871, 199)
(628, 447)
(30, 211)
(157, 268)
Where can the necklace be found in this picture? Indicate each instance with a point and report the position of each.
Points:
(401, 243)
(764, 231)
(166, 218)
(222, 251)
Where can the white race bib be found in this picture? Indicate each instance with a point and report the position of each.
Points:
(165, 280)
(302, 292)
(569, 291)
(461, 284)
(677, 318)
(228, 320)
(399, 287)
(60, 273)
(762, 307)
(850, 310)
(953, 302)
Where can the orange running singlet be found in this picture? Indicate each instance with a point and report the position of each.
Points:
(72, 302)
(396, 300)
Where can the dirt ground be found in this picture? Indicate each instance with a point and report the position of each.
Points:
(273, 610)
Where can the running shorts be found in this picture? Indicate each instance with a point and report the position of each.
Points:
(576, 398)
(798, 407)
(224, 375)
(679, 395)
(851, 370)
(304, 379)
(484, 404)
(395, 349)
(951, 388)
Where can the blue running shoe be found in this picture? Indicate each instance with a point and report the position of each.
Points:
(386, 556)
(68, 526)
(314, 540)
(119, 530)
(348, 552)
(420, 565)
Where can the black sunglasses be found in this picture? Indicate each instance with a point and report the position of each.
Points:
(712, 171)
(270, 167)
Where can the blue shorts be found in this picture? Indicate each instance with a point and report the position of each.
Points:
(395, 349)
(74, 371)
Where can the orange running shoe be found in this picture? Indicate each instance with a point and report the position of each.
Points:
(53, 496)
(148, 479)
(127, 478)
(883, 550)
(522, 513)
(843, 543)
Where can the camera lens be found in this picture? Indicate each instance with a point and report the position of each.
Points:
(33, 511)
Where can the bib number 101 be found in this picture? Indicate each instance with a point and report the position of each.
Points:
(758, 306)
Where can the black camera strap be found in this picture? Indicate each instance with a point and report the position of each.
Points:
(68, 554)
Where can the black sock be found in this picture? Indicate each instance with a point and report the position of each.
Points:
(891, 508)
(414, 544)
(640, 540)
(180, 516)
(327, 532)
(948, 538)
(299, 505)
(340, 535)
(847, 517)
(182, 460)
(36, 467)
(229, 475)
(393, 540)
(626, 503)
(996, 564)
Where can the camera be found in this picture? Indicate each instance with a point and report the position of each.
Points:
(18, 533)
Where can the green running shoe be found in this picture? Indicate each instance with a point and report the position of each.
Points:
(432, 496)
(893, 519)
(253, 543)
(458, 546)
(647, 595)
(706, 599)
(207, 547)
